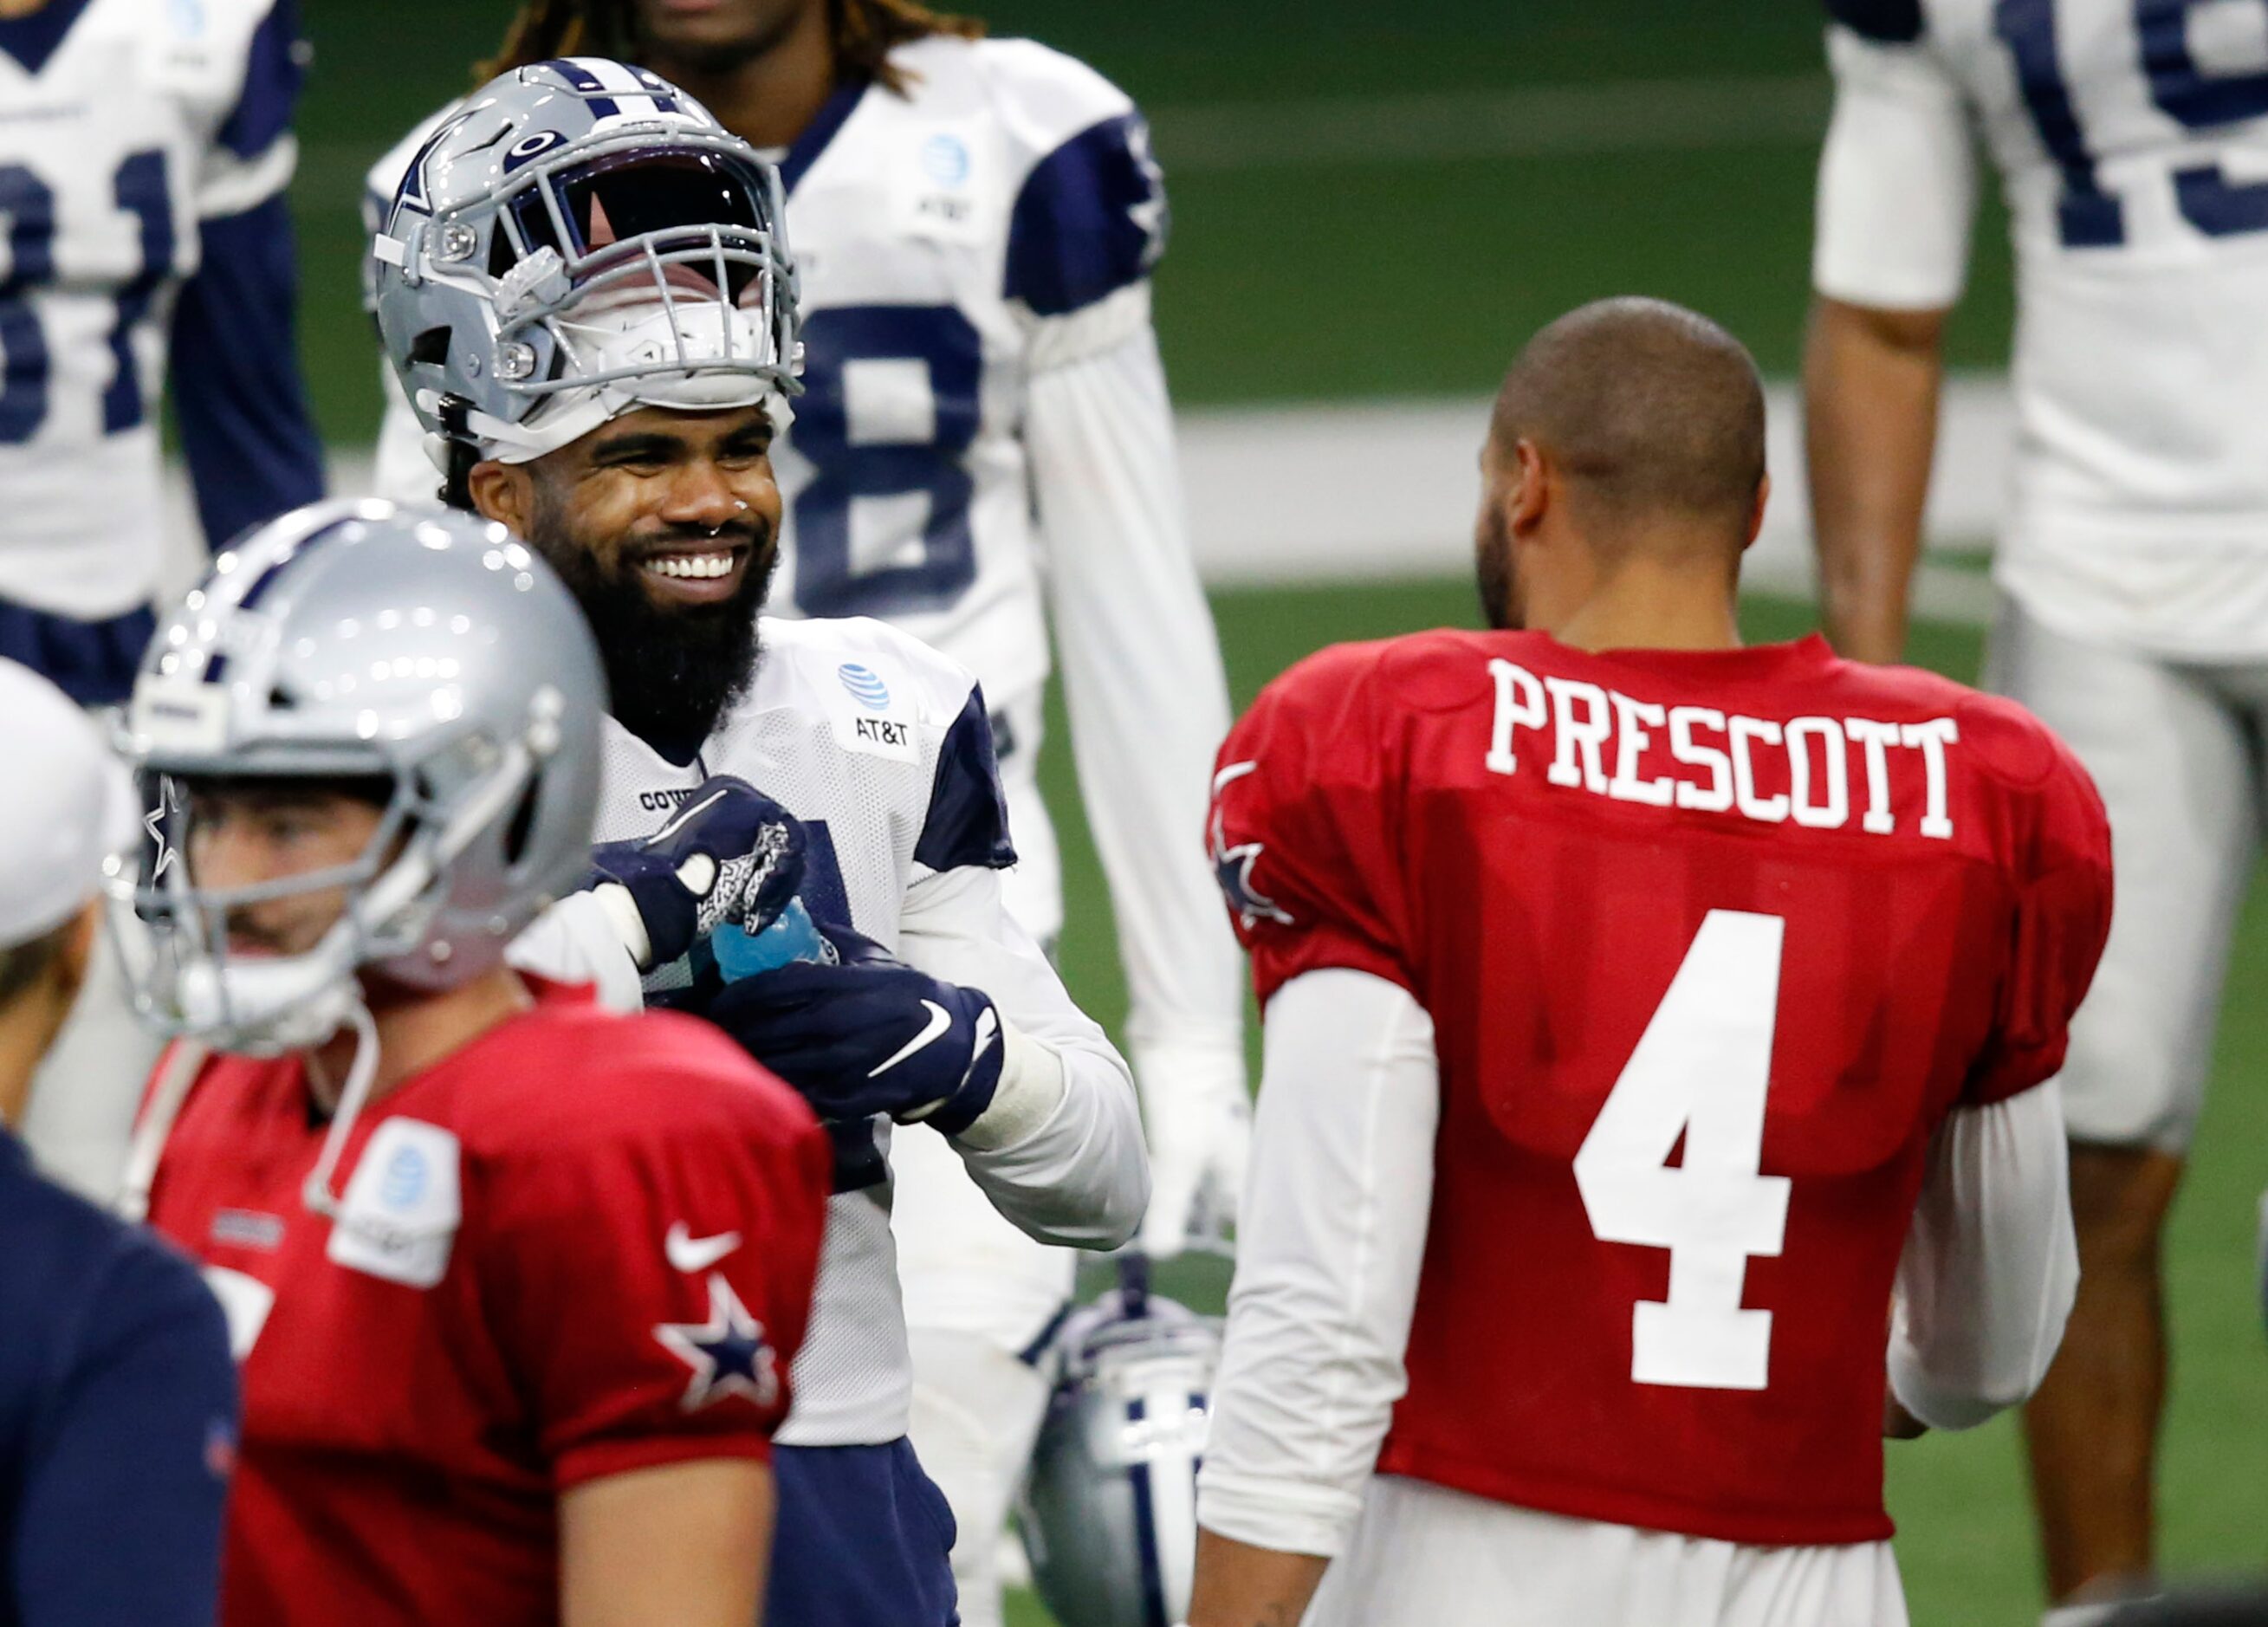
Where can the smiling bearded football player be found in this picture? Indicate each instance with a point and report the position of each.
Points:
(584, 289)
(985, 456)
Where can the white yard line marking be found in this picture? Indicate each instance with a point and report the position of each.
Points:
(1377, 490)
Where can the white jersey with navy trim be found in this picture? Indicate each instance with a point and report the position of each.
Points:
(2132, 138)
(124, 126)
(882, 748)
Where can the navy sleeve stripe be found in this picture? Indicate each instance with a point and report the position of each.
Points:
(238, 396)
(967, 819)
(272, 73)
(1894, 22)
(1089, 220)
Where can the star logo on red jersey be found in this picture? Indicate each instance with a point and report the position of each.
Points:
(728, 1353)
(1232, 866)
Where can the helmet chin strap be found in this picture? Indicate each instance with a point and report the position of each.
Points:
(317, 1193)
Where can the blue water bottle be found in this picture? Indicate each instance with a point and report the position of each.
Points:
(790, 937)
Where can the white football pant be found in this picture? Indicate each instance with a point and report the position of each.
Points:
(1424, 1554)
(2176, 749)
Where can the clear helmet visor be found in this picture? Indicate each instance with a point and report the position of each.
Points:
(640, 224)
(659, 266)
(600, 212)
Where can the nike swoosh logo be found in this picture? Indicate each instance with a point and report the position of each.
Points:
(678, 820)
(939, 1021)
(689, 1254)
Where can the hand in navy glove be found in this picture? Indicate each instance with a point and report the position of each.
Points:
(729, 855)
(870, 1035)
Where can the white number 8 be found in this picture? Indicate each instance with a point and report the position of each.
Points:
(1701, 1070)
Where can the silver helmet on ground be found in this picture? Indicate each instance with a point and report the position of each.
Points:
(1108, 1513)
(426, 653)
(579, 238)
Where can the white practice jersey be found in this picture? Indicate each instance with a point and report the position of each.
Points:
(2131, 137)
(124, 125)
(984, 436)
(882, 748)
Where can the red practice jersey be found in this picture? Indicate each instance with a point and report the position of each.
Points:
(581, 1245)
(1712, 942)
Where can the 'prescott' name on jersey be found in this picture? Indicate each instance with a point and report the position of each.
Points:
(1807, 775)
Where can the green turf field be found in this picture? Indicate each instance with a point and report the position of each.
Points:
(1415, 274)
(1365, 204)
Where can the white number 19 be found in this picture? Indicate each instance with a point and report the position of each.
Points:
(1700, 1071)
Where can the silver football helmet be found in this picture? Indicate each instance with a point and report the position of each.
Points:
(1108, 1513)
(423, 651)
(580, 237)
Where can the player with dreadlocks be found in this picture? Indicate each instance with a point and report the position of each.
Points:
(974, 221)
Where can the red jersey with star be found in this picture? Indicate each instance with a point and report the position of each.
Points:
(581, 1245)
(1711, 943)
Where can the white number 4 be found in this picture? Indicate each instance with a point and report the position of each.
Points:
(1700, 1071)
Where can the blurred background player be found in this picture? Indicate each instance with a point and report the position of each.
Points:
(144, 148)
(984, 439)
(117, 1398)
(583, 288)
(1608, 937)
(514, 1280)
(2133, 566)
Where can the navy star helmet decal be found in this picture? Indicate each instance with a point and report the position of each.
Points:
(728, 1353)
(1232, 866)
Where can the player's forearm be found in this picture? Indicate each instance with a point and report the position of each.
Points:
(1339, 1199)
(1240, 1586)
(1990, 1268)
(1078, 1177)
(239, 400)
(686, 1544)
(1143, 681)
(1871, 380)
(1070, 1170)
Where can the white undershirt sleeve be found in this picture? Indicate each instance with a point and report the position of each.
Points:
(1897, 179)
(1147, 698)
(1990, 1264)
(580, 940)
(1059, 1153)
(1330, 1241)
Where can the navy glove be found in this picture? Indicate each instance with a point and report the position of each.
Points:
(869, 1035)
(729, 856)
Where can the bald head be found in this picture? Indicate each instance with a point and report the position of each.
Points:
(1648, 411)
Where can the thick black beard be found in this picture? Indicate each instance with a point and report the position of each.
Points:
(671, 674)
